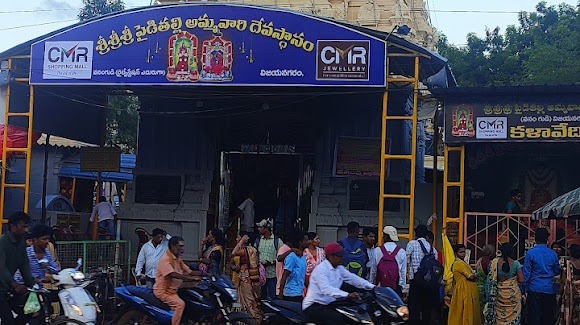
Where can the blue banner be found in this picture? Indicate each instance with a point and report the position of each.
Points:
(209, 44)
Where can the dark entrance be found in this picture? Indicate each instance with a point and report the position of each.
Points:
(273, 178)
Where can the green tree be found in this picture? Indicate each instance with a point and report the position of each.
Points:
(542, 48)
(96, 8)
(122, 120)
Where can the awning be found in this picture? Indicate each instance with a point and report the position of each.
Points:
(73, 170)
(17, 138)
(565, 206)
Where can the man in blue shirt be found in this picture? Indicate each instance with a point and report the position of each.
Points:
(540, 267)
(293, 278)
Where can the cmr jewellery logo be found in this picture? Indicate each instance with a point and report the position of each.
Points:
(491, 128)
(342, 60)
(68, 60)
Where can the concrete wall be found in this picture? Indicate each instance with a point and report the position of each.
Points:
(180, 147)
(187, 220)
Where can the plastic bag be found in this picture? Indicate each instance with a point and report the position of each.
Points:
(32, 304)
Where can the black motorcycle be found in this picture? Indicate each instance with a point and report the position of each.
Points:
(209, 302)
(379, 306)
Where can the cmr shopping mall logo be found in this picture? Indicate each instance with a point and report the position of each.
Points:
(343, 60)
(491, 127)
(68, 60)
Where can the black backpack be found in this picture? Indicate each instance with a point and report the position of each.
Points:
(430, 271)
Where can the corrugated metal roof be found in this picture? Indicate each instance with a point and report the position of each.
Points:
(72, 169)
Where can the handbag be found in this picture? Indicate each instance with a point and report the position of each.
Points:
(32, 304)
(255, 272)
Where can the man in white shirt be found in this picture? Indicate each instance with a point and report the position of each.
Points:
(150, 254)
(247, 212)
(106, 215)
(324, 288)
(422, 302)
(389, 238)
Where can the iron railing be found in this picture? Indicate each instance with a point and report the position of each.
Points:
(107, 255)
(482, 228)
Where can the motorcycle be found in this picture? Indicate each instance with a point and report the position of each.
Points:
(75, 300)
(380, 306)
(209, 302)
(102, 289)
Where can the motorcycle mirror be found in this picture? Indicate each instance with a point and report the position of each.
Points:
(80, 261)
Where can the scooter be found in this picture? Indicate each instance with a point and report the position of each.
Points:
(77, 303)
(209, 302)
(381, 306)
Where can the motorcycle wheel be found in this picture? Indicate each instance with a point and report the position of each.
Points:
(135, 317)
(244, 321)
(62, 320)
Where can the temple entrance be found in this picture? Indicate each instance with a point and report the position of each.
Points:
(273, 179)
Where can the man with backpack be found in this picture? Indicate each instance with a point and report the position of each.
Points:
(425, 277)
(355, 252)
(267, 245)
(389, 263)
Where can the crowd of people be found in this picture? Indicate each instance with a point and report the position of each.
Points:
(499, 290)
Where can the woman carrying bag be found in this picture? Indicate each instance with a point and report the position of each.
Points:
(249, 290)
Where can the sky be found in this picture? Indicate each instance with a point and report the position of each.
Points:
(23, 20)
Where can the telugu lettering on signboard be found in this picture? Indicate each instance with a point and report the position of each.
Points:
(539, 121)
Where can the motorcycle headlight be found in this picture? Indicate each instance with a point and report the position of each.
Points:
(233, 293)
(403, 312)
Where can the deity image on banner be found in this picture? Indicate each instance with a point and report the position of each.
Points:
(462, 122)
(217, 60)
(540, 186)
(183, 58)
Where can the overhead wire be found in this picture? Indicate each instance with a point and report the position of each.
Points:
(38, 24)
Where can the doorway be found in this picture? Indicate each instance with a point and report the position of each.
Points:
(274, 180)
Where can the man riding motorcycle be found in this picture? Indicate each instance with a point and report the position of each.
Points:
(12, 258)
(324, 288)
(172, 274)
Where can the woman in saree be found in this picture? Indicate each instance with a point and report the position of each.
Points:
(570, 301)
(481, 271)
(464, 309)
(314, 254)
(211, 256)
(249, 290)
(504, 299)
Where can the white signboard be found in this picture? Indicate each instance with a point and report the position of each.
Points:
(491, 128)
(68, 60)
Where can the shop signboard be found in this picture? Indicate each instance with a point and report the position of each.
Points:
(359, 157)
(531, 119)
(100, 159)
(209, 44)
